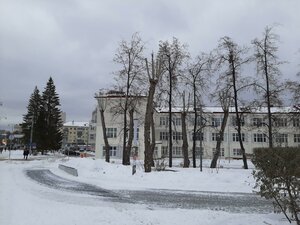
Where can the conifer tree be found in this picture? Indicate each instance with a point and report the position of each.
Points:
(29, 126)
(49, 120)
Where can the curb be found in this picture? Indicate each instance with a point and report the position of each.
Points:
(69, 170)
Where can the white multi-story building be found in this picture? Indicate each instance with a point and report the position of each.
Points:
(112, 104)
(286, 129)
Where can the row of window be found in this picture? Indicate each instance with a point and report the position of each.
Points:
(112, 133)
(257, 137)
(217, 121)
(177, 151)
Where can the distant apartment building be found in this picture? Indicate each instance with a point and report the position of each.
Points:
(92, 130)
(75, 133)
(80, 133)
(286, 129)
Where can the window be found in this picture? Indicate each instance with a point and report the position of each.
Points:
(222, 152)
(92, 136)
(216, 121)
(215, 137)
(281, 138)
(198, 136)
(234, 121)
(165, 151)
(164, 121)
(177, 150)
(258, 122)
(199, 121)
(79, 134)
(296, 122)
(177, 121)
(137, 133)
(297, 138)
(198, 149)
(280, 122)
(259, 137)
(237, 152)
(111, 132)
(155, 153)
(177, 136)
(235, 137)
(163, 136)
(112, 151)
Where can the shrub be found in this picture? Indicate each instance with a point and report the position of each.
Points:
(277, 175)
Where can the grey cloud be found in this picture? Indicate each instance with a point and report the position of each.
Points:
(74, 41)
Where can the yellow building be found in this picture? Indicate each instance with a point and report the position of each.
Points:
(75, 133)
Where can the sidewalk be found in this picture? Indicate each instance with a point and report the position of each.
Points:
(11, 154)
(18, 155)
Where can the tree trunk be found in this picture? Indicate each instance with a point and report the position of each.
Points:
(195, 125)
(170, 119)
(153, 138)
(238, 118)
(268, 95)
(219, 140)
(124, 136)
(185, 146)
(130, 138)
(106, 144)
(148, 141)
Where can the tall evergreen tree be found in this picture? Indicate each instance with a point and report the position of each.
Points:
(50, 118)
(29, 125)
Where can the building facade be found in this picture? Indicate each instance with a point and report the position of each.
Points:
(75, 133)
(286, 130)
(92, 130)
(112, 104)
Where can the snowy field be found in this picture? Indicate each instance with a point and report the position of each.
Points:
(26, 202)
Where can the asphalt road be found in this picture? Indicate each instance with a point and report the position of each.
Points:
(229, 202)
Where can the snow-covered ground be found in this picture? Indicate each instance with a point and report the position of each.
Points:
(25, 202)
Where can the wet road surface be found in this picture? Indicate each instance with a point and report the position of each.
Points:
(229, 202)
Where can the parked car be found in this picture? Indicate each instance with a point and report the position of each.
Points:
(71, 151)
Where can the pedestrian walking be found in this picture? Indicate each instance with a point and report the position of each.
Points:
(26, 153)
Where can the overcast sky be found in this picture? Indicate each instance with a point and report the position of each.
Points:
(74, 41)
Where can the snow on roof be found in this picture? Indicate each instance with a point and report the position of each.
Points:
(76, 124)
(218, 109)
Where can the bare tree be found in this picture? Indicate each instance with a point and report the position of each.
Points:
(225, 99)
(173, 55)
(102, 103)
(294, 87)
(230, 54)
(268, 67)
(129, 56)
(185, 145)
(197, 78)
(154, 72)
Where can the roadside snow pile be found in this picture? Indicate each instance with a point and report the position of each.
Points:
(117, 176)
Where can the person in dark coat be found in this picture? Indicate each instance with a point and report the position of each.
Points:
(26, 153)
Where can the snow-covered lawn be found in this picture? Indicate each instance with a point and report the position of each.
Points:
(25, 202)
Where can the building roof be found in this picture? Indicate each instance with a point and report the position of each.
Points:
(76, 124)
(218, 109)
